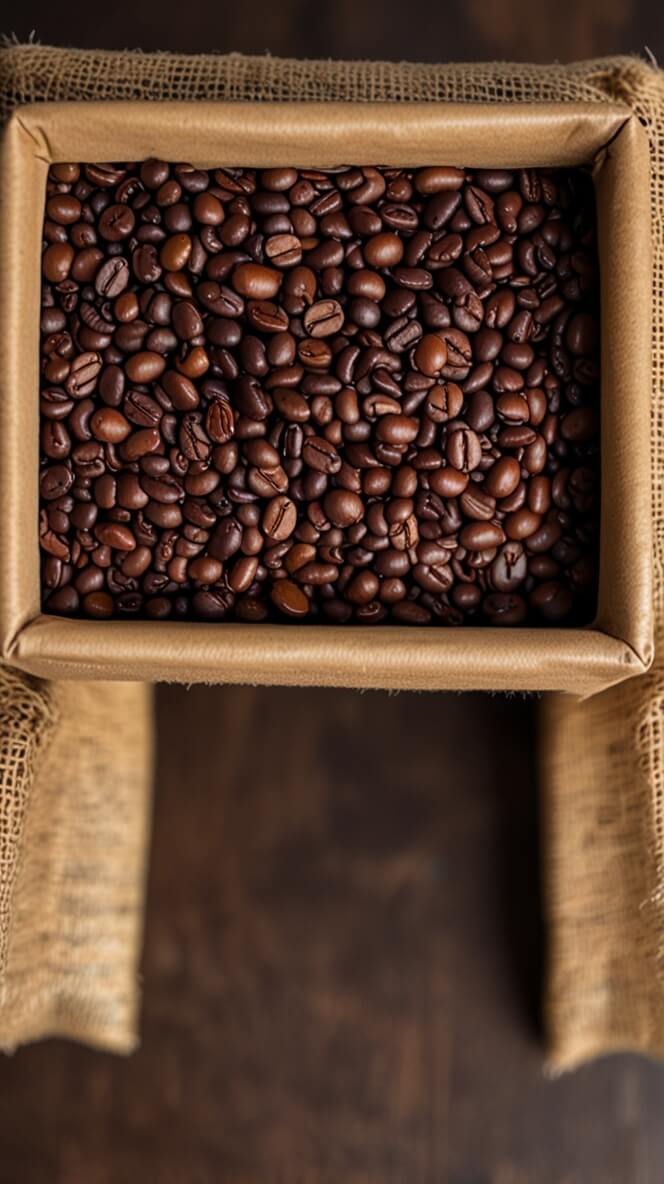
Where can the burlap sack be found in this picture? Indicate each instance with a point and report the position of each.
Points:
(602, 762)
(75, 776)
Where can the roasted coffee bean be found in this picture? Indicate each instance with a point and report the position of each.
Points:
(256, 282)
(112, 277)
(116, 222)
(464, 450)
(503, 477)
(180, 390)
(502, 608)
(279, 519)
(109, 425)
(323, 319)
(289, 599)
(356, 395)
(319, 454)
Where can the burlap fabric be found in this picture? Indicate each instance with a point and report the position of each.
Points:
(75, 778)
(602, 764)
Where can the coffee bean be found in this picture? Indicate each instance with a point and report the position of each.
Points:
(383, 250)
(448, 482)
(110, 425)
(503, 477)
(256, 282)
(112, 277)
(323, 319)
(212, 604)
(115, 535)
(180, 390)
(480, 536)
(504, 609)
(464, 451)
(552, 601)
(98, 604)
(509, 569)
(351, 395)
(437, 179)
(397, 429)
(142, 409)
(343, 507)
(187, 321)
(205, 570)
(141, 443)
(242, 573)
(116, 223)
(267, 317)
(193, 439)
(219, 421)
(283, 250)
(280, 518)
(521, 524)
(83, 374)
(289, 599)
(476, 504)
(409, 612)
(145, 366)
(319, 454)
(175, 252)
(166, 488)
(430, 355)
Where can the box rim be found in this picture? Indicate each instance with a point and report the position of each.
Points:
(34, 124)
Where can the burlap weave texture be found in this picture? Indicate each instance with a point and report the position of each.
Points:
(602, 761)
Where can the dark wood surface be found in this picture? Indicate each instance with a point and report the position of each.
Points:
(341, 967)
(344, 943)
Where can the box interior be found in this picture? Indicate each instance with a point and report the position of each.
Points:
(617, 645)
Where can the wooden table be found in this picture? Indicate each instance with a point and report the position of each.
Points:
(343, 947)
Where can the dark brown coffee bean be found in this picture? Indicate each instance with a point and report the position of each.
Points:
(116, 223)
(503, 608)
(83, 375)
(397, 429)
(430, 355)
(98, 604)
(145, 367)
(225, 540)
(141, 443)
(205, 570)
(464, 451)
(115, 535)
(110, 425)
(112, 277)
(448, 482)
(552, 601)
(319, 454)
(187, 320)
(175, 252)
(324, 318)
(193, 439)
(480, 536)
(280, 518)
(437, 179)
(180, 390)
(256, 282)
(503, 477)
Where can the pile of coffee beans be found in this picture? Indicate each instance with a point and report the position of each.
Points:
(339, 395)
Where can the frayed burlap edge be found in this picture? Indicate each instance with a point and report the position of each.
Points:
(36, 73)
